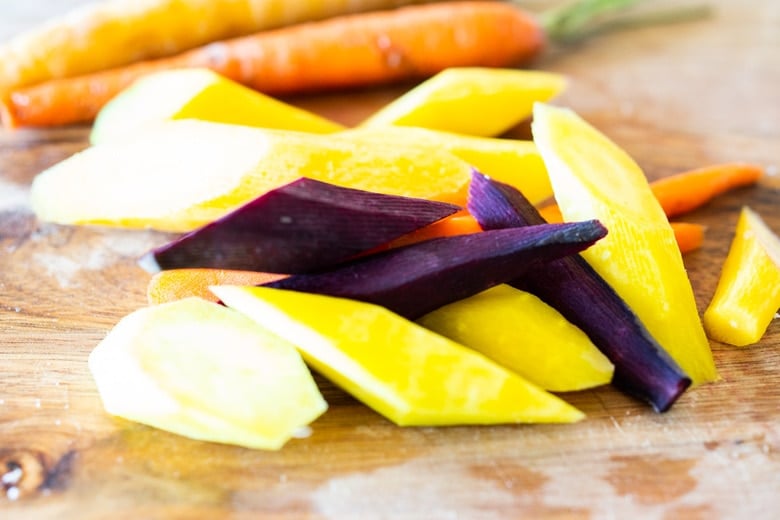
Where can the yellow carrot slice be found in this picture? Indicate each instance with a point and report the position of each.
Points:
(470, 100)
(198, 94)
(748, 293)
(594, 179)
(207, 372)
(511, 161)
(522, 333)
(185, 174)
(400, 369)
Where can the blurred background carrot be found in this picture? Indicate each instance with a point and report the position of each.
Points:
(347, 51)
(106, 34)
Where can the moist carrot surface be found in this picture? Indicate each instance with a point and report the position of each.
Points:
(347, 51)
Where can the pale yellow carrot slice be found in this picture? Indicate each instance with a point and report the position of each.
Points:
(748, 294)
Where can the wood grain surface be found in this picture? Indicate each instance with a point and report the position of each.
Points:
(675, 97)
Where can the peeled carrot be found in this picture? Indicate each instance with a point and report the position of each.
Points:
(689, 190)
(176, 284)
(346, 51)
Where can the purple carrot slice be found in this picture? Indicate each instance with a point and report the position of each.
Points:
(570, 285)
(303, 226)
(418, 278)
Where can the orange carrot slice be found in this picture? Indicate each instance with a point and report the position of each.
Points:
(689, 190)
(176, 284)
(689, 236)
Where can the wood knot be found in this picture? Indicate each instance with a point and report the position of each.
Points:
(26, 472)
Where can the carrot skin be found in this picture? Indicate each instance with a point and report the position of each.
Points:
(347, 51)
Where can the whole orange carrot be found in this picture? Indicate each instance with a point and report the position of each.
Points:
(687, 191)
(346, 51)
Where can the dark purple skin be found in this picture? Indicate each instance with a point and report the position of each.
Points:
(570, 285)
(422, 277)
(302, 226)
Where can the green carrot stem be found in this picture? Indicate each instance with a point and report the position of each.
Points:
(581, 19)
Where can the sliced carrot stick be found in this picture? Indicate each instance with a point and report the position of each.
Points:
(689, 236)
(346, 51)
(176, 284)
(689, 190)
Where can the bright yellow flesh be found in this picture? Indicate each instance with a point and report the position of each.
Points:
(405, 372)
(511, 161)
(198, 94)
(201, 370)
(594, 179)
(471, 100)
(522, 333)
(748, 293)
(185, 174)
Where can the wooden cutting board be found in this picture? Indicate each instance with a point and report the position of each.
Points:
(675, 97)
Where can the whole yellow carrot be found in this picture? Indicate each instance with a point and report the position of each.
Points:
(107, 34)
